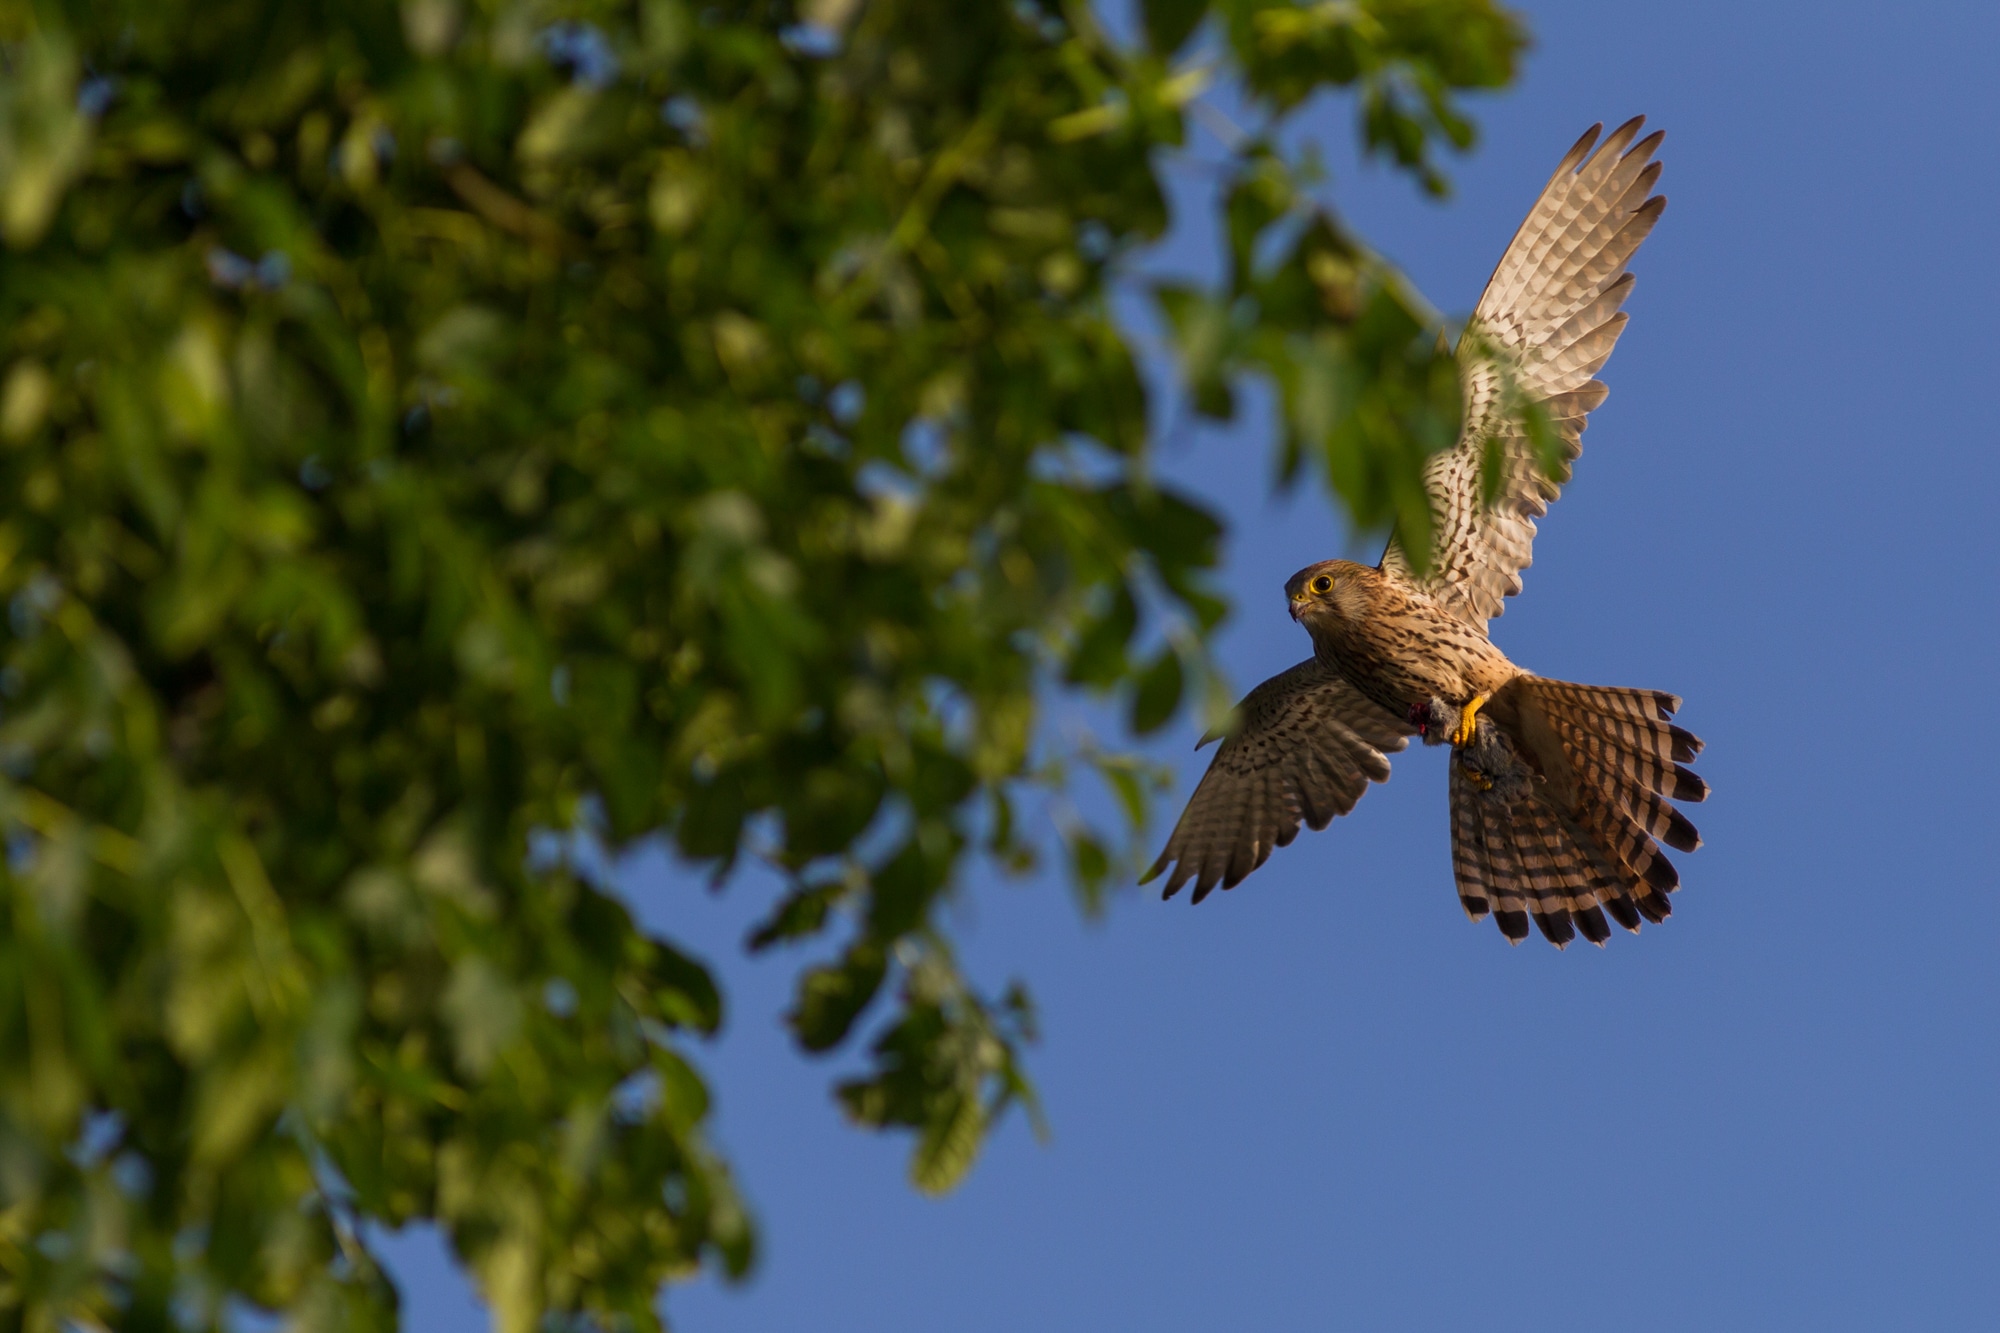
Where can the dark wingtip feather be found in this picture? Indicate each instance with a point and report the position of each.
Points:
(1590, 921)
(1555, 927)
(1623, 912)
(1688, 786)
(1660, 873)
(1154, 873)
(1680, 835)
(1686, 744)
(1581, 148)
(1514, 925)
(1235, 876)
(1616, 141)
(1654, 906)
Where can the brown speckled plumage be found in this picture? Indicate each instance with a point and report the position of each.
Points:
(1561, 794)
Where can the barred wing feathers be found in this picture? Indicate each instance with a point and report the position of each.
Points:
(1305, 746)
(1549, 318)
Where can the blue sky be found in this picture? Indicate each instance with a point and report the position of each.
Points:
(1325, 1099)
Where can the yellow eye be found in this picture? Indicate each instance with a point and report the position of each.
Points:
(1323, 585)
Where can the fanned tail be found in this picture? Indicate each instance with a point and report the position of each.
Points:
(1559, 806)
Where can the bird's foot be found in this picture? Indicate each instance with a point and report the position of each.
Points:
(1468, 721)
(1475, 776)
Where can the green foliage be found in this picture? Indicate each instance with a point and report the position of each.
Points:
(1405, 57)
(428, 428)
(947, 1068)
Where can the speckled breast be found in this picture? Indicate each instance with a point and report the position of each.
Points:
(1414, 655)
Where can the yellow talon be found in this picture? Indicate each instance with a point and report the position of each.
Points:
(1476, 778)
(1468, 721)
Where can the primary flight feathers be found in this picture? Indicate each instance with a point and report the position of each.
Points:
(1550, 316)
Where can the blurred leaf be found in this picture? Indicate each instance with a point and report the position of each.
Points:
(44, 136)
(1099, 655)
(685, 991)
(1090, 868)
(1158, 693)
(1169, 23)
(832, 997)
(803, 913)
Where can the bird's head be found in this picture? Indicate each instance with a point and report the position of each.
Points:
(1330, 591)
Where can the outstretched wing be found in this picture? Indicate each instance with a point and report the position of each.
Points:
(1305, 746)
(1548, 320)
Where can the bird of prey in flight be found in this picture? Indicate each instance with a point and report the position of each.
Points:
(1560, 793)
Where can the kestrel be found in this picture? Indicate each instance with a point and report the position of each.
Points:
(1560, 793)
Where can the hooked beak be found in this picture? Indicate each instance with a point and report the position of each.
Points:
(1298, 606)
